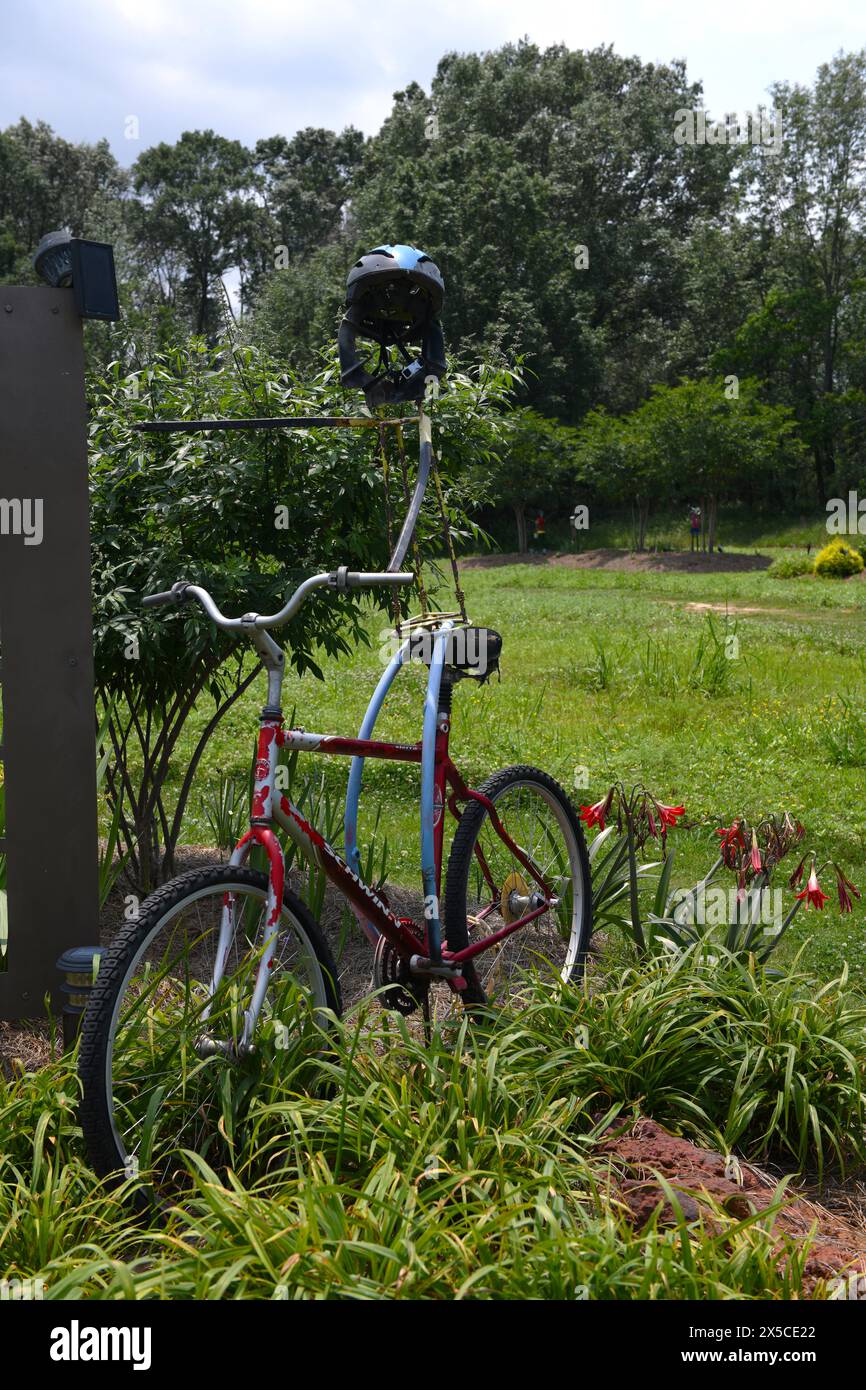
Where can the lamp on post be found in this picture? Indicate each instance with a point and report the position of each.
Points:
(86, 267)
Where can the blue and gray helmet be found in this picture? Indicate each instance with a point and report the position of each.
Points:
(394, 296)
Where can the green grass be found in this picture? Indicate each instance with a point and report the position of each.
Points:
(617, 674)
(472, 1168)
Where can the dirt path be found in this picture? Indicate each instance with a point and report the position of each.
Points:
(670, 561)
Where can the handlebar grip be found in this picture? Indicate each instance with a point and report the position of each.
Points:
(177, 594)
(354, 579)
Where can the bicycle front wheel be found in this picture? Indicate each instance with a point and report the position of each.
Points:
(488, 887)
(159, 1063)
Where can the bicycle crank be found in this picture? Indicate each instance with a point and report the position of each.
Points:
(391, 974)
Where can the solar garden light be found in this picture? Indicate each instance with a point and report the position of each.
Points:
(86, 267)
(78, 966)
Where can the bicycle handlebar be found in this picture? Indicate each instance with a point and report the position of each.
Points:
(340, 579)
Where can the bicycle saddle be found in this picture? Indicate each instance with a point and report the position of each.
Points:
(472, 651)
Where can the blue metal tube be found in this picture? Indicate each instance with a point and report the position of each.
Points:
(356, 769)
(428, 774)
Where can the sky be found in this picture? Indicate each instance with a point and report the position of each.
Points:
(252, 68)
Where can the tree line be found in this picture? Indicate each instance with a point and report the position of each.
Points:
(634, 274)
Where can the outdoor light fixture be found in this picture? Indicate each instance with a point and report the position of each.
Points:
(78, 966)
(65, 261)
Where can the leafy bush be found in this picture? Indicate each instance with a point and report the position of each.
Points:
(737, 1059)
(838, 560)
(791, 567)
(247, 516)
(840, 727)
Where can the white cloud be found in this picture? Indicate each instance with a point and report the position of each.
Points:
(268, 66)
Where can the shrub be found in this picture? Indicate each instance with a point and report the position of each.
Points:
(838, 560)
(791, 567)
(206, 507)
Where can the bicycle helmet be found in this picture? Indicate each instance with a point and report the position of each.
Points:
(393, 296)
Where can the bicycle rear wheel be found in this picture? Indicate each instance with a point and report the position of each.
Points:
(487, 887)
(159, 1061)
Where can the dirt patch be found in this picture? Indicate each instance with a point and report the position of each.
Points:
(736, 609)
(673, 561)
(703, 1180)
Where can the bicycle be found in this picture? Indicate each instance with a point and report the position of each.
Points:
(224, 960)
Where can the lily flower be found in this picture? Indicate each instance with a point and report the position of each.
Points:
(669, 814)
(797, 875)
(812, 892)
(756, 854)
(597, 813)
(732, 842)
(845, 889)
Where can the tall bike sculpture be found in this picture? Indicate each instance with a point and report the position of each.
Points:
(225, 971)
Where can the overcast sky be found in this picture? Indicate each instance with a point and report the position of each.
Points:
(251, 68)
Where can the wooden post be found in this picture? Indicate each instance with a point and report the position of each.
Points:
(47, 645)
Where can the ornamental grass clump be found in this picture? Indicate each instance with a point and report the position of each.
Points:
(791, 567)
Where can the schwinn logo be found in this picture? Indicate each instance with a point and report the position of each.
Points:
(77, 1343)
(368, 892)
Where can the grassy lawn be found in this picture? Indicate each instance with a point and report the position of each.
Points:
(602, 671)
(481, 1167)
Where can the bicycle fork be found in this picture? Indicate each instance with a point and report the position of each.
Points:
(261, 832)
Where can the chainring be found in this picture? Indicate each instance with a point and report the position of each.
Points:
(400, 991)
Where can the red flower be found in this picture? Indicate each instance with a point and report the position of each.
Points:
(651, 821)
(845, 888)
(756, 854)
(732, 842)
(670, 814)
(797, 875)
(596, 814)
(812, 892)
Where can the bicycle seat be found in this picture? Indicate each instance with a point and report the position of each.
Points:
(472, 651)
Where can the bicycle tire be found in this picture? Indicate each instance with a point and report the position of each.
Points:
(460, 860)
(102, 1143)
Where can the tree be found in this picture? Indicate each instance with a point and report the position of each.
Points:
(513, 161)
(305, 183)
(622, 461)
(715, 443)
(193, 217)
(47, 183)
(807, 201)
(533, 466)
